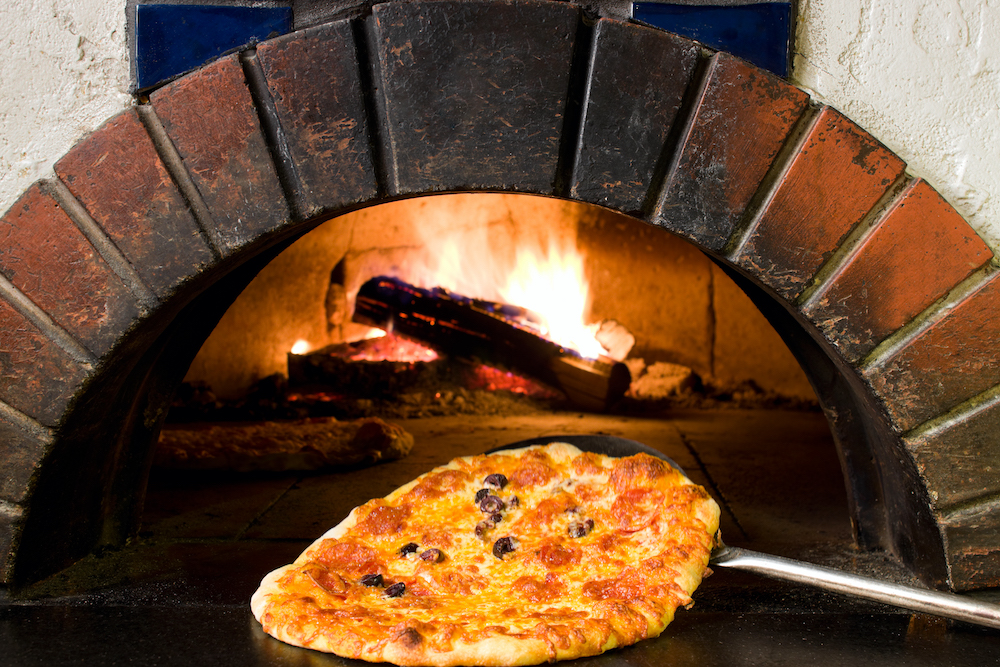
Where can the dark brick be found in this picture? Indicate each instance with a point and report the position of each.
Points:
(741, 122)
(36, 376)
(11, 520)
(952, 360)
(48, 258)
(118, 176)
(837, 176)
(475, 92)
(972, 545)
(211, 119)
(960, 462)
(313, 77)
(638, 80)
(20, 454)
(919, 251)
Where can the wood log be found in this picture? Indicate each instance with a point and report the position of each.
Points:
(491, 333)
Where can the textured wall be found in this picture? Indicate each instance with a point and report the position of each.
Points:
(63, 72)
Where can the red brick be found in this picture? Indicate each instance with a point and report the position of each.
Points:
(475, 92)
(952, 360)
(211, 119)
(918, 252)
(48, 258)
(972, 546)
(118, 176)
(11, 522)
(20, 454)
(638, 79)
(741, 122)
(313, 77)
(960, 462)
(36, 377)
(837, 176)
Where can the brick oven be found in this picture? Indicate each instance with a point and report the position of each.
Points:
(116, 271)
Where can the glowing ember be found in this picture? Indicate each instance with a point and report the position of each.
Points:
(495, 379)
(390, 348)
(382, 347)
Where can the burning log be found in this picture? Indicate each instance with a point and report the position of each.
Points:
(492, 333)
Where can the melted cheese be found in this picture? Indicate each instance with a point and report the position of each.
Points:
(599, 553)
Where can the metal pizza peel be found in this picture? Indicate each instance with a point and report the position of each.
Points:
(937, 603)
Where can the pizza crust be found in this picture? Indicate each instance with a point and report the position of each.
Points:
(321, 443)
(599, 609)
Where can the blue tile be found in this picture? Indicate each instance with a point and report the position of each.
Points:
(172, 39)
(759, 33)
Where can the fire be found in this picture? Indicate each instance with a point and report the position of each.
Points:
(547, 278)
(301, 347)
(555, 287)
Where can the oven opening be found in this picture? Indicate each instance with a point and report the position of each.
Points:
(711, 383)
(712, 386)
(659, 305)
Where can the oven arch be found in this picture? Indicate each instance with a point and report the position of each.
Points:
(117, 269)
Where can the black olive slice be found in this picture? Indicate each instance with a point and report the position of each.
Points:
(504, 546)
(496, 480)
(372, 579)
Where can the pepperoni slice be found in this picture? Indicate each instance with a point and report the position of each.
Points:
(384, 520)
(531, 473)
(556, 555)
(331, 582)
(587, 463)
(639, 471)
(438, 484)
(349, 557)
(635, 509)
(537, 590)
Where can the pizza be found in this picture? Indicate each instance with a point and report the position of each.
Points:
(318, 443)
(513, 558)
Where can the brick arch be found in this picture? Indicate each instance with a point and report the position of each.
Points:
(115, 271)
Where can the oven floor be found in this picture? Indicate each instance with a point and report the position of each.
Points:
(178, 595)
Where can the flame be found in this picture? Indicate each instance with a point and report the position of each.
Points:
(301, 347)
(538, 273)
(554, 286)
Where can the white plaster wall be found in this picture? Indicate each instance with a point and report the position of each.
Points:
(63, 72)
(923, 76)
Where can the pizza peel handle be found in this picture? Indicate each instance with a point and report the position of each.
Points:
(947, 605)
